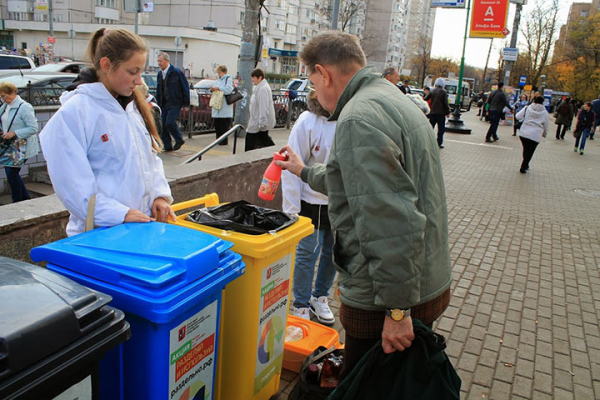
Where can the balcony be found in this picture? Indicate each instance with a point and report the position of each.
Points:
(107, 13)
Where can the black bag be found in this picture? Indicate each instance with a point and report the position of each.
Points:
(502, 115)
(241, 216)
(421, 372)
(235, 95)
(311, 391)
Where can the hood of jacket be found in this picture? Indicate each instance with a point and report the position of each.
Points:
(537, 111)
(87, 76)
(96, 91)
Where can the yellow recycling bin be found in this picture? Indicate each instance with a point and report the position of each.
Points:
(254, 307)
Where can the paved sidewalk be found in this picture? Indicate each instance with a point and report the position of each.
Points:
(523, 320)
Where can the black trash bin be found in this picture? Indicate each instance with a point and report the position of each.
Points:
(53, 333)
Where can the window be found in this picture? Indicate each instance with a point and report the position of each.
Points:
(107, 3)
(585, 14)
(288, 65)
(242, 15)
(19, 16)
(290, 29)
(40, 17)
(280, 25)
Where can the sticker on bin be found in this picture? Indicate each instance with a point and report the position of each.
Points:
(192, 356)
(275, 288)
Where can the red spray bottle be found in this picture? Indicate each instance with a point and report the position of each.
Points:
(270, 181)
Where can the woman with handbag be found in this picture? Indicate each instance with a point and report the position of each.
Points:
(583, 126)
(519, 105)
(222, 116)
(564, 117)
(19, 139)
(101, 145)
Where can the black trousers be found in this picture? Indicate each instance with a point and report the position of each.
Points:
(222, 125)
(529, 147)
(558, 131)
(258, 140)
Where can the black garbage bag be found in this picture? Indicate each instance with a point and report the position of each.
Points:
(241, 216)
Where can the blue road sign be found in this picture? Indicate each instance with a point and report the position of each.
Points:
(448, 3)
(523, 80)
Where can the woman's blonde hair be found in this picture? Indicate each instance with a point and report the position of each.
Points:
(119, 45)
(8, 87)
(222, 68)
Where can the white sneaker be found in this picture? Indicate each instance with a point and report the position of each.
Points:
(301, 312)
(320, 307)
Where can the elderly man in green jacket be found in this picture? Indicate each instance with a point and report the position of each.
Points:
(387, 202)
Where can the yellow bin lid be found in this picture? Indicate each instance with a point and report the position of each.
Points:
(255, 246)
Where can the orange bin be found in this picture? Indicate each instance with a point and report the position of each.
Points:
(313, 336)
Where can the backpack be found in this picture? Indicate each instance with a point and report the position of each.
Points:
(305, 390)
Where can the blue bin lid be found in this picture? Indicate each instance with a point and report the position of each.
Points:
(153, 259)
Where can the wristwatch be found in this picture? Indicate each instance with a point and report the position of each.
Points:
(397, 314)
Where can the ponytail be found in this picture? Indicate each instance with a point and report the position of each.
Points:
(144, 109)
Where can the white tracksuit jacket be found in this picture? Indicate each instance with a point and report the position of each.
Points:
(93, 146)
(311, 139)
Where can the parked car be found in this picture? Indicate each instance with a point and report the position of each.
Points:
(72, 67)
(203, 86)
(420, 92)
(10, 64)
(151, 81)
(40, 88)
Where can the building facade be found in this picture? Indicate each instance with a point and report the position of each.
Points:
(576, 13)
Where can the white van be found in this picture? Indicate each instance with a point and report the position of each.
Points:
(465, 99)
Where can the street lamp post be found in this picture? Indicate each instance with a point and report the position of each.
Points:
(454, 123)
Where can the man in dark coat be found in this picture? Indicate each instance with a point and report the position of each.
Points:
(172, 93)
(439, 109)
(497, 102)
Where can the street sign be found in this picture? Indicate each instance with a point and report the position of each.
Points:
(488, 19)
(448, 3)
(41, 5)
(522, 80)
(528, 87)
(148, 6)
(177, 41)
(51, 39)
(510, 54)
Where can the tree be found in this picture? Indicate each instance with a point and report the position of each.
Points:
(421, 62)
(349, 9)
(539, 34)
(442, 67)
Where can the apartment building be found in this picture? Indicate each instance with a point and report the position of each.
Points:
(396, 32)
(576, 12)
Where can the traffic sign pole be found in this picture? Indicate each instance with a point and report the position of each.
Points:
(513, 41)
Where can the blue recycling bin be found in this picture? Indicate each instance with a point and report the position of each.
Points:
(168, 280)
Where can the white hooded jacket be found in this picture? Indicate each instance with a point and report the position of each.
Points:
(535, 122)
(93, 146)
(311, 138)
(262, 111)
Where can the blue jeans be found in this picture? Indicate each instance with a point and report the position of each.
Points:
(170, 128)
(580, 141)
(440, 120)
(492, 133)
(17, 187)
(307, 254)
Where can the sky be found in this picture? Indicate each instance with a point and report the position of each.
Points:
(449, 32)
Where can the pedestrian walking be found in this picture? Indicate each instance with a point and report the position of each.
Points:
(583, 126)
(311, 138)
(223, 116)
(518, 106)
(101, 144)
(497, 101)
(19, 138)
(535, 120)
(563, 118)
(387, 202)
(596, 110)
(172, 93)
(439, 109)
(262, 113)
(392, 76)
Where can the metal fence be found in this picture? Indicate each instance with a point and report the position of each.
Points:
(42, 96)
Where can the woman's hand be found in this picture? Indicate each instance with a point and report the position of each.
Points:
(9, 135)
(161, 210)
(137, 216)
(214, 89)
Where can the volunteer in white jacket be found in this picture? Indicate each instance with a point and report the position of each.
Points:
(535, 125)
(311, 138)
(100, 142)
(262, 113)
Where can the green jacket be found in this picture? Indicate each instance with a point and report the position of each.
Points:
(387, 202)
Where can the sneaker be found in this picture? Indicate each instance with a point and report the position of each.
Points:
(301, 313)
(575, 149)
(581, 152)
(320, 307)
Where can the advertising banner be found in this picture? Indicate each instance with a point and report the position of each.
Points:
(488, 19)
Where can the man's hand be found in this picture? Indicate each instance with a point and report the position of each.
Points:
(9, 135)
(294, 163)
(137, 216)
(161, 210)
(397, 335)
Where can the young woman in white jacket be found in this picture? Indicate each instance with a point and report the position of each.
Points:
(311, 139)
(535, 125)
(102, 142)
